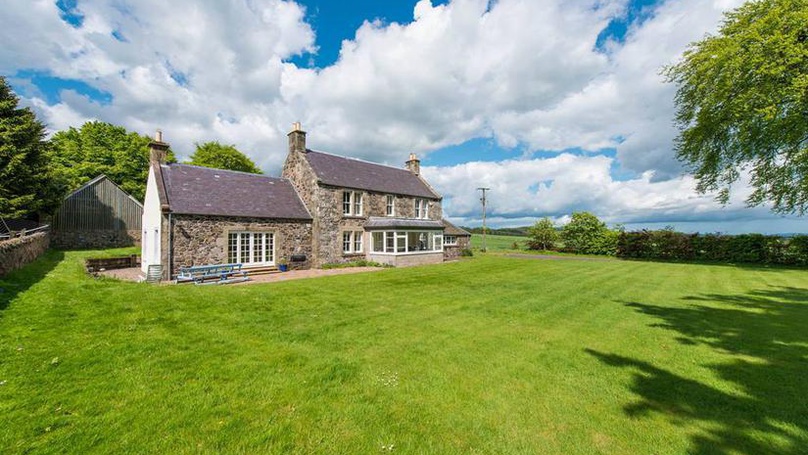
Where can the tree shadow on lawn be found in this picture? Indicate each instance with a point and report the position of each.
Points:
(18, 281)
(767, 331)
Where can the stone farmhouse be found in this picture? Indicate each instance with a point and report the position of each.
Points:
(324, 209)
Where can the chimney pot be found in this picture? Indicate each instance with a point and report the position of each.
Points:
(158, 136)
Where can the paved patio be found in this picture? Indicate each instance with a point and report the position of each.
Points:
(133, 274)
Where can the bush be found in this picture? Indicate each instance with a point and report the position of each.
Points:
(586, 234)
(543, 235)
(745, 248)
(466, 252)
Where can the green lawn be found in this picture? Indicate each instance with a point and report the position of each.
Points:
(487, 355)
(498, 242)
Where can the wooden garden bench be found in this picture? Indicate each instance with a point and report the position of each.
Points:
(212, 274)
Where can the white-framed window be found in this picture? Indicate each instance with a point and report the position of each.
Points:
(346, 242)
(352, 203)
(357, 241)
(450, 240)
(351, 242)
(346, 202)
(391, 205)
(405, 242)
(251, 248)
(421, 208)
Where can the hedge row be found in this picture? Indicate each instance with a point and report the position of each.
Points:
(746, 248)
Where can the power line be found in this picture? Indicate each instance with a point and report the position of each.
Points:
(483, 200)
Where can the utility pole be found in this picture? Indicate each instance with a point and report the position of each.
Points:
(483, 200)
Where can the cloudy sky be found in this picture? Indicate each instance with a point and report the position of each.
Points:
(556, 105)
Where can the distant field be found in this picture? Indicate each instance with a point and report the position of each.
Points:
(498, 242)
(487, 355)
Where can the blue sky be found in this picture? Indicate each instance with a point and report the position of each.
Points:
(556, 105)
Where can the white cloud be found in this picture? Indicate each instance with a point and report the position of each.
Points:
(523, 72)
(522, 191)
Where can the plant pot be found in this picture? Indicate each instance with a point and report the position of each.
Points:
(283, 267)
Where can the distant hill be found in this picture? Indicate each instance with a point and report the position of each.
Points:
(515, 231)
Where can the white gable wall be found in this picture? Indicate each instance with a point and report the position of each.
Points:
(151, 225)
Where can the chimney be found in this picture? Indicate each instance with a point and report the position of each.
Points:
(158, 149)
(414, 164)
(297, 139)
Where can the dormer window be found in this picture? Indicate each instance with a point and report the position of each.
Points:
(352, 203)
(421, 208)
(391, 205)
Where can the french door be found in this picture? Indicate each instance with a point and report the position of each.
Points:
(251, 248)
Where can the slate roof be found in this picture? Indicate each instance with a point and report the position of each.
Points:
(195, 190)
(379, 222)
(362, 175)
(451, 229)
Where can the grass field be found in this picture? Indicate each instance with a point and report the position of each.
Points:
(488, 355)
(498, 242)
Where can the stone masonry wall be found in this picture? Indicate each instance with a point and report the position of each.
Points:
(202, 240)
(96, 239)
(453, 251)
(299, 172)
(325, 206)
(407, 260)
(332, 223)
(19, 251)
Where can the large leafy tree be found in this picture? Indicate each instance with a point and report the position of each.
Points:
(587, 234)
(543, 235)
(80, 155)
(215, 155)
(742, 104)
(24, 179)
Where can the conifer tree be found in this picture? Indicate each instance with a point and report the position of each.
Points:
(25, 183)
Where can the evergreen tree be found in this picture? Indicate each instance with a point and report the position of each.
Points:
(24, 178)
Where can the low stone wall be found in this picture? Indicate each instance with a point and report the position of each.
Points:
(95, 239)
(19, 251)
(121, 262)
(407, 260)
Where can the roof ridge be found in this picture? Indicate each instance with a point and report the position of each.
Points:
(358, 159)
(221, 170)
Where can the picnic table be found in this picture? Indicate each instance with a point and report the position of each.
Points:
(212, 274)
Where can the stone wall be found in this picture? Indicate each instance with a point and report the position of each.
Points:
(325, 206)
(19, 251)
(202, 240)
(94, 239)
(451, 252)
(407, 260)
(332, 223)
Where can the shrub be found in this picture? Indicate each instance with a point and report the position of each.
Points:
(586, 234)
(466, 252)
(542, 235)
(667, 244)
